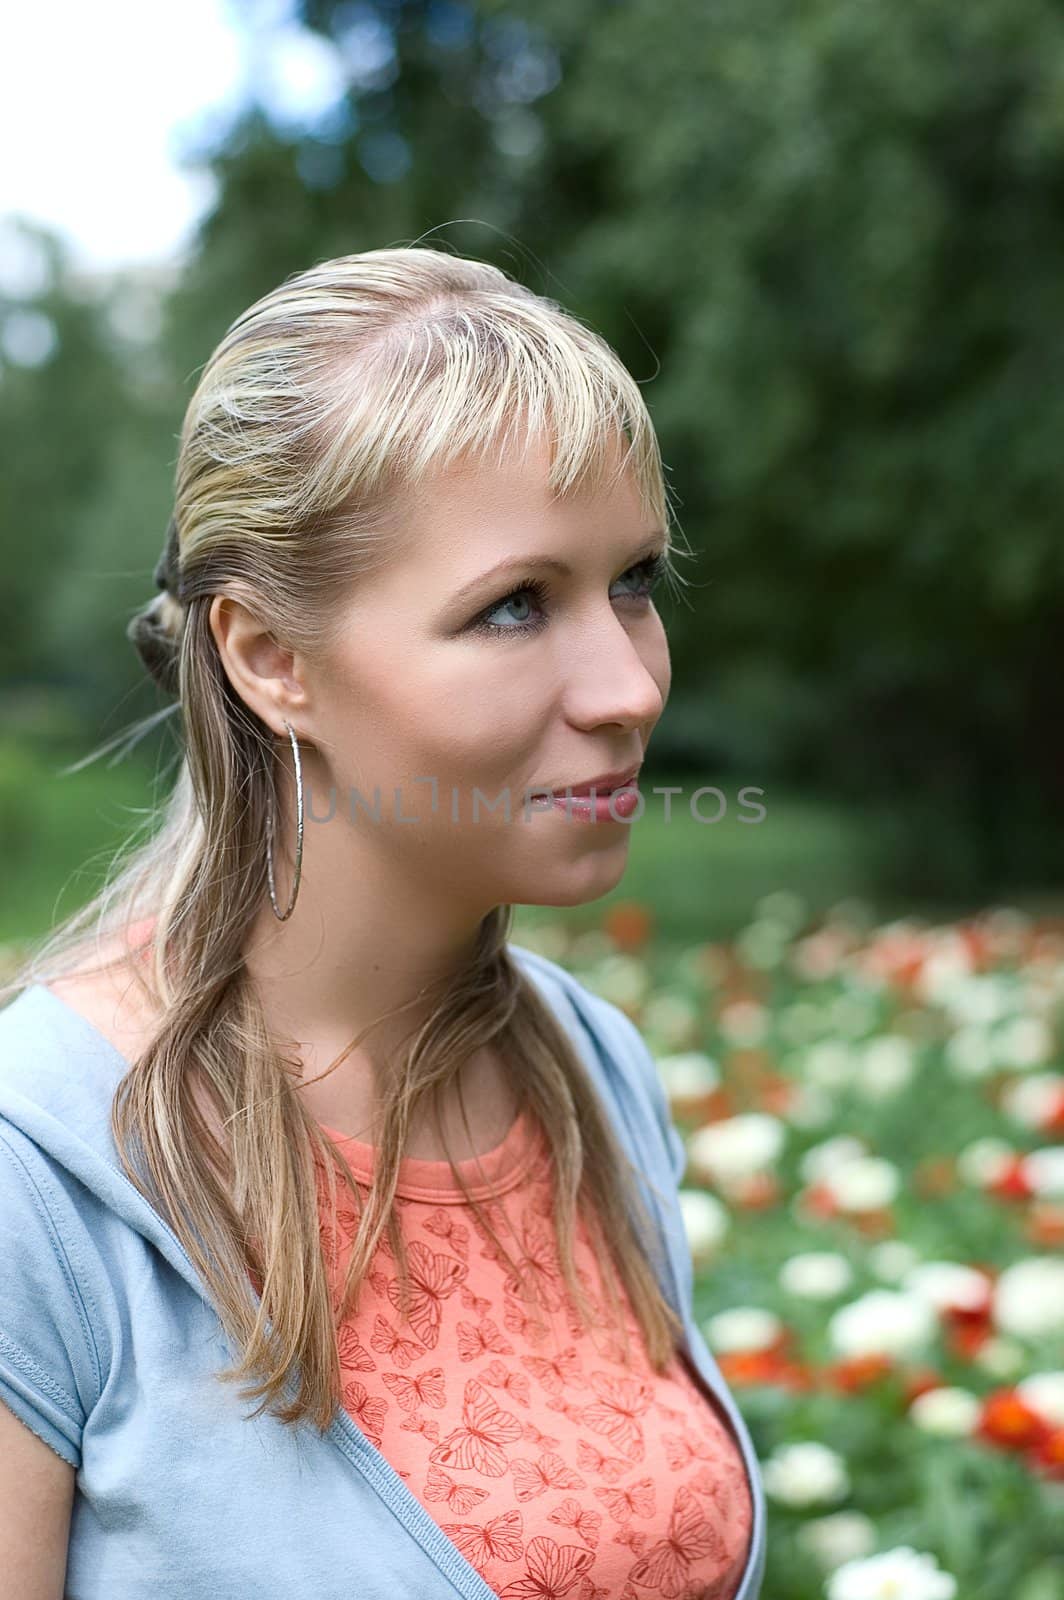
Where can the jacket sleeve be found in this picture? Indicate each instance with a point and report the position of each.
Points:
(49, 1367)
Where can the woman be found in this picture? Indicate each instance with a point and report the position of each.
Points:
(285, 1093)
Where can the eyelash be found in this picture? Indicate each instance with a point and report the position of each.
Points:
(651, 568)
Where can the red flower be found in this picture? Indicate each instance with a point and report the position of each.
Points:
(1047, 1457)
(1009, 1423)
(858, 1372)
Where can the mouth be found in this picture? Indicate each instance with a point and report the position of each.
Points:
(605, 783)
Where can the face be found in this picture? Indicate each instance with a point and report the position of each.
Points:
(450, 667)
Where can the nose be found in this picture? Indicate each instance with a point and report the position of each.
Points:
(619, 679)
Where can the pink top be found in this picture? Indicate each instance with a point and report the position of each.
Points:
(553, 1466)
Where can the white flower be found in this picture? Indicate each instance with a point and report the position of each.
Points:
(864, 1184)
(968, 1053)
(816, 1274)
(743, 1022)
(1044, 1393)
(1044, 1171)
(762, 944)
(1029, 1298)
(898, 1574)
(838, 1537)
(743, 1328)
(805, 1474)
(1033, 1100)
(1002, 1358)
(622, 979)
(852, 1014)
(884, 1322)
(817, 956)
(799, 1022)
(785, 907)
(823, 1158)
(944, 1284)
(737, 1147)
(672, 1017)
(945, 971)
(809, 1107)
(984, 1161)
(892, 1259)
(705, 1220)
(688, 1074)
(979, 998)
(829, 1064)
(887, 1065)
(589, 948)
(947, 1411)
(1022, 1042)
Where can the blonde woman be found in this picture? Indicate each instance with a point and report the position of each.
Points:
(284, 1117)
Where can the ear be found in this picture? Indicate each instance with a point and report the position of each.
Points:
(266, 676)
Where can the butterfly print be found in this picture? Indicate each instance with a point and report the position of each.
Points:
(522, 1322)
(708, 1480)
(683, 1448)
(432, 1278)
(481, 1339)
(609, 1467)
(666, 1565)
(610, 1347)
(586, 1590)
(366, 1409)
(354, 1357)
(499, 1539)
(477, 1444)
(387, 1342)
(553, 1570)
(425, 1388)
(533, 1435)
(426, 1425)
(585, 1524)
(637, 1500)
(460, 1497)
(331, 1243)
(515, 1384)
(557, 1371)
(473, 1302)
(458, 1386)
(446, 1227)
(566, 1407)
(549, 1472)
(620, 1401)
(539, 1267)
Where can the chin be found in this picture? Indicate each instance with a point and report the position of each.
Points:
(575, 883)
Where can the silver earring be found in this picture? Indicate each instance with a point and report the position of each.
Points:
(283, 916)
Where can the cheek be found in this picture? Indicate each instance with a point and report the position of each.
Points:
(455, 720)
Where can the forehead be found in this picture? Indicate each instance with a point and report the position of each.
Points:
(488, 508)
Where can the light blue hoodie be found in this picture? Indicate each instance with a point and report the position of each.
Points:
(108, 1346)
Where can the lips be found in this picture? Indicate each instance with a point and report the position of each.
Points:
(605, 783)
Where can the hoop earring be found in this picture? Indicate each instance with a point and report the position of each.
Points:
(283, 916)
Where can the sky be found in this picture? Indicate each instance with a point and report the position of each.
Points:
(99, 101)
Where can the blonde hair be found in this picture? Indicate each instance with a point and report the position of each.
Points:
(324, 402)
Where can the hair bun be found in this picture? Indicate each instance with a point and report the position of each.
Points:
(155, 634)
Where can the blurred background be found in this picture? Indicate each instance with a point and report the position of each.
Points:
(828, 240)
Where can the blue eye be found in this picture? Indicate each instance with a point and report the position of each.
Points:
(647, 572)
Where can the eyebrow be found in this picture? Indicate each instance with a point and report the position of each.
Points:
(520, 565)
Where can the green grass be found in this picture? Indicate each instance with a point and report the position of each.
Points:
(60, 832)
